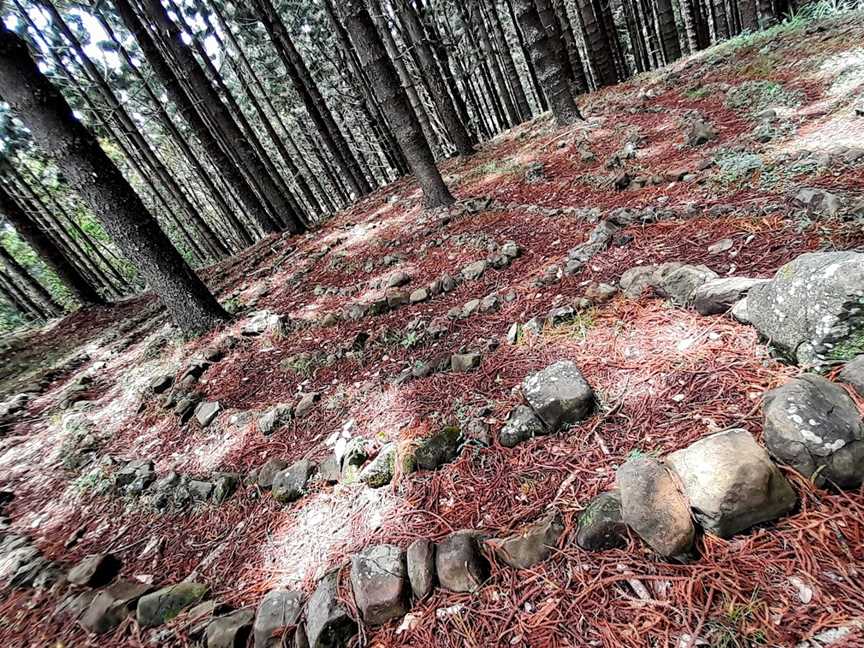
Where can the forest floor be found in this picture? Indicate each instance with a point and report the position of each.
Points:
(664, 376)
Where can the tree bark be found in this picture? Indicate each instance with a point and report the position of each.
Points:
(416, 35)
(598, 47)
(77, 284)
(547, 57)
(721, 23)
(767, 13)
(93, 175)
(24, 303)
(29, 291)
(668, 31)
(392, 97)
(688, 15)
(476, 17)
(509, 64)
(565, 30)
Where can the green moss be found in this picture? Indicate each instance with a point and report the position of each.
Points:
(848, 349)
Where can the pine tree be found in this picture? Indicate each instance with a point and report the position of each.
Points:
(94, 176)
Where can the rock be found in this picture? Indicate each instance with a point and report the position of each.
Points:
(274, 418)
(380, 582)
(818, 201)
(699, 132)
(161, 606)
(185, 407)
(206, 412)
(135, 476)
(740, 313)
(622, 181)
(419, 295)
(511, 250)
(420, 560)
(398, 279)
(468, 308)
(521, 425)
(306, 403)
(474, 270)
(813, 309)
(720, 295)
(289, 485)
(278, 611)
(600, 525)
(224, 485)
(814, 426)
(654, 508)
(329, 470)
(231, 630)
(396, 298)
(559, 394)
(530, 546)
(853, 374)
(94, 570)
(379, 471)
(328, 624)
(731, 482)
(439, 449)
(353, 459)
(330, 319)
(678, 282)
(534, 173)
(459, 563)
(465, 362)
(161, 384)
(262, 322)
(490, 303)
(267, 473)
(600, 293)
(112, 605)
(635, 280)
(721, 246)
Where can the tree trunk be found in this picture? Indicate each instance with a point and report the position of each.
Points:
(749, 19)
(668, 31)
(688, 15)
(456, 130)
(721, 24)
(392, 97)
(767, 14)
(510, 70)
(26, 304)
(476, 18)
(532, 72)
(312, 97)
(547, 57)
(77, 284)
(565, 29)
(93, 175)
(484, 79)
(598, 47)
(29, 291)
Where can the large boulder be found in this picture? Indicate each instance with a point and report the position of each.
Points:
(328, 624)
(813, 425)
(531, 545)
(559, 394)
(731, 482)
(813, 309)
(459, 563)
(654, 507)
(290, 484)
(720, 295)
(278, 611)
(164, 604)
(420, 560)
(853, 374)
(600, 525)
(380, 582)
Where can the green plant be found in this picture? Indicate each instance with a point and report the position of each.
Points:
(756, 96)
(577, 326)
(734, 167)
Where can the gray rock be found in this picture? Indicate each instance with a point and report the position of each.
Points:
(469, 308)
(224, 485)
(419, 295)
(329, 470)
(699, 132)
(721, 246)
(206, 412)
(278, 611)
(164, 604)
(853, 374)
(465, 362)
(740, 312)
(635, 280)
(678, 282)
(380, 583)
(161, 384)
(531, 545)
(267, 473)
(94, 570)
(112, 605)
(328, 624)
(262, 322)
(818, 201)
(560, 315)
(231, 630)
(398, 279)
(420, 560)
(439, 449)
(353, 458)
(813, 309)
(521, 425)
(731, 482)
(511, 250)
(379, 471)
(559, 394)
(306, 403)
(814, 426)
(600, 293)
(600, 525)
(199, 490)
(653, 507)
(289, 485)
(274, 418)
(534, 173)
(474, 270)
(719, 295)
(459, 563)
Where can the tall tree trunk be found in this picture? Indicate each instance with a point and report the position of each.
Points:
(565, 30)
(691, 28)
(77, 284)
(77, 153)
(668, 30)
(547, 57)
(637, 43)
(416, 35)
(29, 291)
(312, 97)
(476, 17)
(26, 304)
(484, 79)
(767, 13)
(597, 45)
(510, 70)
(721, 23)
(529, 65)
(189, 108)
(749, 19)
(392, 96)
